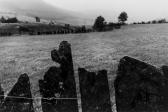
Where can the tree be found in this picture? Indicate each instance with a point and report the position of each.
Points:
(122, 17)
(154, 22)
(12, 20)
(99, 23)
(3, 20)
(83, 28)
(37, 19)
(162, 21)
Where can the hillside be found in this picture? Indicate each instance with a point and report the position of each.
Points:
(30, 9)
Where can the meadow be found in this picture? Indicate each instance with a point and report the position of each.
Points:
(94, 51)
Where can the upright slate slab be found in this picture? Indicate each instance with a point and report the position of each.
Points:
(1, 97)
(59, 83)
(94, 90)
(140, 87)
(16, 100)
(63, 56)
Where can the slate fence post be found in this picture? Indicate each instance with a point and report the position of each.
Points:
(19, 98)
(94, 88)
(59, 84)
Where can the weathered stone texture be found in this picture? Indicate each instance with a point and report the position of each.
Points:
(63, 56)
(1, 97)
(59, 82)
(140, 87)
(18, 98)
(94, 91)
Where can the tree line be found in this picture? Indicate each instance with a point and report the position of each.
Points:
(9, 20)
(100, 23)
(160, 21)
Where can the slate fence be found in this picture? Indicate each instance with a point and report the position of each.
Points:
(139, 87)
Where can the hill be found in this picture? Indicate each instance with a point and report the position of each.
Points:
(32, 8)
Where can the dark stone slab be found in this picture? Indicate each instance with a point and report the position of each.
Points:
(94, 90)
(1, 97)
(54, 86)
(59, 82)
(63, 56)
(140, 87)
(165, 71)
(16, 100)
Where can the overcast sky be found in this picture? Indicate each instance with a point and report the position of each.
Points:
(136, 9)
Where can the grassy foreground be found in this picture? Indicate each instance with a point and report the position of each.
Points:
(94, 51)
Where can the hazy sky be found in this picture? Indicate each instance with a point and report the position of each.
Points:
(136, 9)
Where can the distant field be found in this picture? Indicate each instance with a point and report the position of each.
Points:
(94, 51)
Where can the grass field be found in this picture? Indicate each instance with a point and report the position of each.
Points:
(94, 51)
